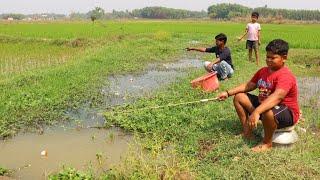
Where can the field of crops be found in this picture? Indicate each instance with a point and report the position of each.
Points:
(48, 67)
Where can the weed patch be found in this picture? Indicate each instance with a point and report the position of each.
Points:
(69, 174)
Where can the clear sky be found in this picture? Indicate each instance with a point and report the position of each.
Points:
(68, 6)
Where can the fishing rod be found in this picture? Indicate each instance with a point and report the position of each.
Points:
(164, 106)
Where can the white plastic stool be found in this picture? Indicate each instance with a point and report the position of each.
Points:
(284, 136)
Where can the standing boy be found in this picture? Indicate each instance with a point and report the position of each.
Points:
(277, 103)
(254, 37)
(222, 64)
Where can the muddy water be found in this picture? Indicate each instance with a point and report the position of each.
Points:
(125, 89)
(75, 144)
(74, 148)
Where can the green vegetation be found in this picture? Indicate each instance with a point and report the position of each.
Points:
(228, 11)
(197, 141)
(4, 171)
(71, 174)
(95, 14)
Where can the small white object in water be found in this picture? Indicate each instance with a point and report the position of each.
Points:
(194, 42)
(117, 93)
(44, 153)
(131, 79)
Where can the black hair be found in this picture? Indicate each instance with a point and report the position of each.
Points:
(255, 14)
(278, 46)
(221, 37)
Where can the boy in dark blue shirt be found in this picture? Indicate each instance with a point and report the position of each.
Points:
(223, 62)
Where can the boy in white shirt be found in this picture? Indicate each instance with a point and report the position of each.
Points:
(254, 37)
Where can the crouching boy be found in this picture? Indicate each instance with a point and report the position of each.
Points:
(222, 64)
(277, 102)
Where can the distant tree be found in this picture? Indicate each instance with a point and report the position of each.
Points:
(167, 13)
(120, 14)
(227, 11)
(96, 13)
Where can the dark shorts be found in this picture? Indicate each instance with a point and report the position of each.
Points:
(282, 114)
(252, 44)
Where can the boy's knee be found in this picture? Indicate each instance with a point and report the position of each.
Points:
(267, 115)
(239, 97)
(207, 66)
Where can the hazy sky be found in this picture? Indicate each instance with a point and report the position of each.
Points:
(68, 6)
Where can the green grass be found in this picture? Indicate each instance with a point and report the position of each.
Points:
(4, 171)
(71, 173)
(189, 141)
(31, 57)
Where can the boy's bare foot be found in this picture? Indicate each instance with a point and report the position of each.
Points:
(262, 147)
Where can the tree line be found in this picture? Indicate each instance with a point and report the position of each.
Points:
(222, 11)
(147, 12)
(229, 11)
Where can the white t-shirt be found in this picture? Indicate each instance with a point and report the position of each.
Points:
(253, 30)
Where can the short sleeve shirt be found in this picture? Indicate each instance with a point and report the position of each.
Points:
(224, 54)
(253, 31)
(267, 82)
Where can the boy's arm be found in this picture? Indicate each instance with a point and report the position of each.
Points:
(217, 60)
(245, 33)
(274, 99)
(243, 88)
(196, 49)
